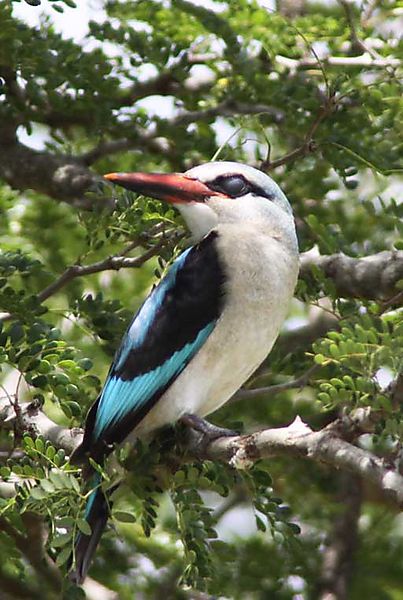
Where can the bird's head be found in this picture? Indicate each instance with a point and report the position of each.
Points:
(216, 193)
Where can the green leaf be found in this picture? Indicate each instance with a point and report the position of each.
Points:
(16, 332)
(63, 556)
(124, 517)
(38, 494)
(260, 523)
(84, 526)
(61, 540)
(47, 486)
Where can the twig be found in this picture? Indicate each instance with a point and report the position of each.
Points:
(110, 263)
(296, 339)
(139, 139)
(396, 300)
(228, 108)
(355, 39)
(238, 496)
(362, 61)
(368, 11)
(272, 390)
(35, 551)
(308, 145)
(166, 82)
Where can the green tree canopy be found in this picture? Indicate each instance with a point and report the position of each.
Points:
(307, 506)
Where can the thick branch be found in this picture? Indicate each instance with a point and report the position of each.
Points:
(67, 178)
(59, 176)
(371, 277)
(320, 446)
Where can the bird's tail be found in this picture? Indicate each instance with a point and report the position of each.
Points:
(96, 515)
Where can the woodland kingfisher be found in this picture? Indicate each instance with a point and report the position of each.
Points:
(209, 323)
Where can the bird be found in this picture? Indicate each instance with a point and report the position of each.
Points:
(207, 325)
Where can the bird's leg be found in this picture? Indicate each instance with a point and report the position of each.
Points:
(210, 432)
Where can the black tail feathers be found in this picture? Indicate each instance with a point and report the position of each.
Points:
(96, 515)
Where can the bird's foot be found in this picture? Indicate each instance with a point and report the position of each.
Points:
(210, 432)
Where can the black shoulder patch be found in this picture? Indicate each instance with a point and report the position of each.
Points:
(195, 300)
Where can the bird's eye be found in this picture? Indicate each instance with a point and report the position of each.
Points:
(232, 185)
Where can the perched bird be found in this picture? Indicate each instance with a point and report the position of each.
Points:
(208, 324)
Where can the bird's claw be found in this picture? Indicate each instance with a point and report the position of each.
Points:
(209, 431)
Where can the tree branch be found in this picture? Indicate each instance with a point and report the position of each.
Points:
(139, 139)
(167, 82)
(151, 140)
(16, 589)
(325, 445)
(228, 108)
(31, 547)
(67, 178)
(295, 339)
(115, 263)
(35, 550)
(308, 145)
(372, 277)
(338, 556)
(362, 61)
(60, 176)
(31, 418)
(320, 446)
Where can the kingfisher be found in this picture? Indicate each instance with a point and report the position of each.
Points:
(209, 323)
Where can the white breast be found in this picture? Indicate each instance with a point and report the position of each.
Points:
(262, 273)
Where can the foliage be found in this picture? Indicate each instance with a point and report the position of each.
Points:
(160, 86)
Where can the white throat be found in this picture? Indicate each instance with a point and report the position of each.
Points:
(199, 217)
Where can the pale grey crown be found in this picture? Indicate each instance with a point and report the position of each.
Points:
(213, 172)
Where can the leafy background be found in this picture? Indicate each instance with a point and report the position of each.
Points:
(164, 86)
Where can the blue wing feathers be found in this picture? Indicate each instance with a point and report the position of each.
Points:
(168, 330)
(122, 397)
